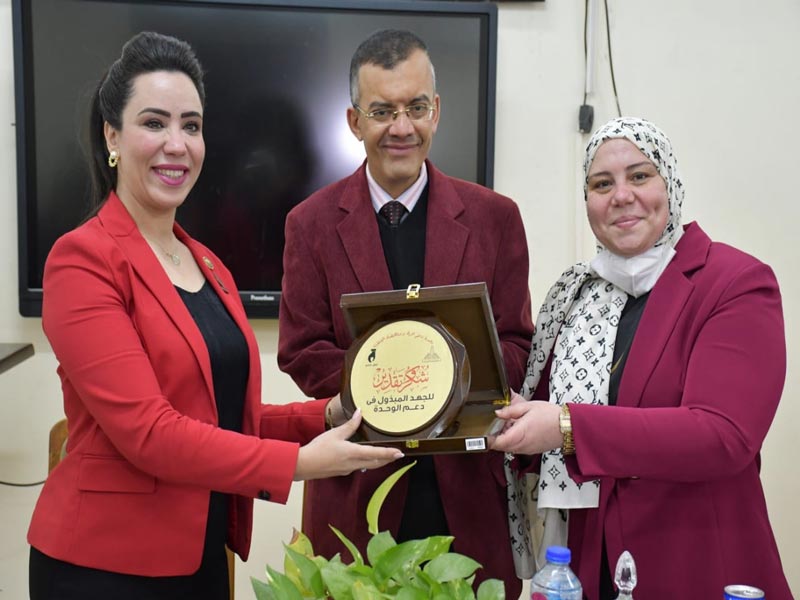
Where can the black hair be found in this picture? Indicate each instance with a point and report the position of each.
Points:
(146, 52)
(386, 48)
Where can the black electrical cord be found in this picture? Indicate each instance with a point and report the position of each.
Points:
(10, 484)
(585, 43)
(585, 112)
(611, 60)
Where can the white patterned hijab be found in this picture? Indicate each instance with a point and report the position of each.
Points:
(577, 325)
(638, 274)
(655, 145)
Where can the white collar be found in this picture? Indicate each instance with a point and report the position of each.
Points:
(408, 198)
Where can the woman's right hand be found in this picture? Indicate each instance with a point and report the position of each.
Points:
(330, 454)
(531, 428)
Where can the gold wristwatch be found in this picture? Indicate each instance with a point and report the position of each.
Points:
(565, 425)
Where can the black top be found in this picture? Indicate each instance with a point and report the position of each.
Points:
(628, 324)
(230, 368)
(404, 250)
(51, 579)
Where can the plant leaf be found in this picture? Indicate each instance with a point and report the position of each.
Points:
(491, 589)
(399, 561)
(351, 547)
(338, 581)
(460, 589)
(299, 543)
(451, 566)
(434, 587)
(379, 496)
(378, 544)
(410, 593)
(321, 561)
(283, 586)
(437, 544)
(263, 590)
(309, 573)
(364, 590)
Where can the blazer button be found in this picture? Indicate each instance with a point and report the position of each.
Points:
(264, 495)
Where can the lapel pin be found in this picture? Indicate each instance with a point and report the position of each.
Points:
(210, 266)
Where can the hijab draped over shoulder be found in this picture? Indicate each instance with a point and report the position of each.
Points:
(577, 326)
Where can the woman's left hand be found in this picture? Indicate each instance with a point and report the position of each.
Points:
(331, 454)
(532, 428)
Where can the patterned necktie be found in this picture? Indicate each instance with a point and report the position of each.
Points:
(393, 212)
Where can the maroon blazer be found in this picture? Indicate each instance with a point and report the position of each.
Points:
(143, 450)
(333, 247)
(678, 457)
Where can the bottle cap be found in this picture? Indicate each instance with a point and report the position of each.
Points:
(558, 554)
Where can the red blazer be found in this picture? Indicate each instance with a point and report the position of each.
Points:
(333, 246)
(144, 451)
(680, 479)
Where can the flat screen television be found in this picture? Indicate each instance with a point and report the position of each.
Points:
(275, 127)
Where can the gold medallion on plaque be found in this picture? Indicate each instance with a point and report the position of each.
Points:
(408, 376)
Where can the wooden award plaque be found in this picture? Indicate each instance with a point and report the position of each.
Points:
(425, 368)
(408, 375)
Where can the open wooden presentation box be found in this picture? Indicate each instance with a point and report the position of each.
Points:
(413, 402)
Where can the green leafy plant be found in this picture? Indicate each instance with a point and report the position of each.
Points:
(412, 570)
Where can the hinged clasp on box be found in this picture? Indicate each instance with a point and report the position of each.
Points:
(412, 293)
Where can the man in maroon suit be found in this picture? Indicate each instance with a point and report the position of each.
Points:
(396, 221)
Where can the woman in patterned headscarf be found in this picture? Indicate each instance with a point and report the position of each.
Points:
(661, 363)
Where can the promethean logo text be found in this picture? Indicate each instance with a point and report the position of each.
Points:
(262, 298)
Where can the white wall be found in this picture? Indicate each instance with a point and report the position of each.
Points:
(720, 76)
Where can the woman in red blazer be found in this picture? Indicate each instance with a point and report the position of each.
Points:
(663, 360)
(168, 440)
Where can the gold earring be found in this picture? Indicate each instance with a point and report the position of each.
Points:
(113, 158)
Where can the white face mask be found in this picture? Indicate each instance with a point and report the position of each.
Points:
(635, 275)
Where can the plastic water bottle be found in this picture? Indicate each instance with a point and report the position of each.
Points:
(555, 580)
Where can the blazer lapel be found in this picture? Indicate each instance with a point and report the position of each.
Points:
(358, 232)
(120, 225)
(445, 237)
(661, 314)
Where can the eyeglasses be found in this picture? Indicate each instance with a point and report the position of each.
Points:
(415, 112)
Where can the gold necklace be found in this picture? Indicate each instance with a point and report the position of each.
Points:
(176, 260)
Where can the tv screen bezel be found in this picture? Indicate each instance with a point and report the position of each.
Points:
(257, 303)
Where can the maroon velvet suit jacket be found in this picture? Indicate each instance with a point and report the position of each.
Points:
(144, 451)
(678, 457)
(333, 247)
